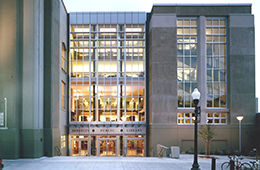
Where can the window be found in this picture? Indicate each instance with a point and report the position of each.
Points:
(186, 118)
(216, 62)
(187, 60)
(217, 118)
(63, 141)
(98, 57)
(63, 92)
(63, 57)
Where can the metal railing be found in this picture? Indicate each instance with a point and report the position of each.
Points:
(161, 152)
(58, 151)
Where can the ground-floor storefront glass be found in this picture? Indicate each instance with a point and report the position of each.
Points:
(107, 145)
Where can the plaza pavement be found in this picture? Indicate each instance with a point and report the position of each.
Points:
(112, 163)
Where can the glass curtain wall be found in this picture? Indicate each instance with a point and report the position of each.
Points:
(187, 60)
(216, 62)
(107, 72)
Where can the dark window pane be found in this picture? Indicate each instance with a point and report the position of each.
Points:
(215, 49)
(180, 88)
(209, 88)
(223, 101)
(193, 49)
(180, 101)
(187, 88)
(180, 62)
(222, 75)
(216, 101)
(209, 75)
(187, 49)
(187, 101)
(209, 62)
(209, 100)
(187, 62)
(209, 49)
(216, 75)
(180, 49)
(216, 88)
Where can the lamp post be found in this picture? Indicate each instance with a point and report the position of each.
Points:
(123, 119)
(195, 97)
(89, 138)
(240, 118)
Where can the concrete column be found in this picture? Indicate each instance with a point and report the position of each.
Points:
(52, 78)
(162, 79)
(10, 75)
(241, 68)
(32, 83)
(202, 62)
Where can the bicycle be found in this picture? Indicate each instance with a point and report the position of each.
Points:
(255, 164)
(1, 164)
(238, 164)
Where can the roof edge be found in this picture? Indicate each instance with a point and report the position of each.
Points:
(230, 4)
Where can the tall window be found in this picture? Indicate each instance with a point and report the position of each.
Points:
(63, 141)
(107, 72)
(187, 60)
(63, 92)
(216, 62)
(63, 57)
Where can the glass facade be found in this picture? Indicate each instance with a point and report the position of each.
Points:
(107, 81)
(216, 66)
(187, 60)
(216, 62)
(107, 72)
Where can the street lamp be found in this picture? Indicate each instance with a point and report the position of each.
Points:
(195, 97)
(123, 119)
(240, 118)
(89, 138)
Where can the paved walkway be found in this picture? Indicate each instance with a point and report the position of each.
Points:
(112, 163)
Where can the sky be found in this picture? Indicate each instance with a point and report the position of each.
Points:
(146, 5)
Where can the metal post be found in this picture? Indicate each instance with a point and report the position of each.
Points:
(89, 140)
(213, 164)
(240, 136)
(232, 165)
(195, 165)
(124, 138)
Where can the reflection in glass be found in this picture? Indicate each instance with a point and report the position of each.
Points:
(209, 62)
(180, 49)
(180, 62)
(209, 101)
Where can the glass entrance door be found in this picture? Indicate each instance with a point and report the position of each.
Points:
(135, 147)
(84, 148)
(79, 148)
(107, 147)
(103, 148)
(75, 148)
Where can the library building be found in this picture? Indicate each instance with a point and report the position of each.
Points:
(120, 83)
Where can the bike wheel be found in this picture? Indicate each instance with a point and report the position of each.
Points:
(225, 166)
(245, 166)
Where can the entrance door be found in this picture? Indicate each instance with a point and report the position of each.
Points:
(84, 148)
(79, 148)
(107, 147)
(135, 147)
